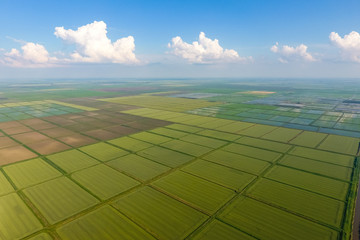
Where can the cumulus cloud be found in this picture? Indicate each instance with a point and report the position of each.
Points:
(93, 45)
(31, 55)
(203, 51)
(287, 53)
(349, 45)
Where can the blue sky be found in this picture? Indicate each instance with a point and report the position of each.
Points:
(249, 29)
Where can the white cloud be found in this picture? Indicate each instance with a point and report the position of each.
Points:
(349, 45)
(287, 53)
(203, 51)
(93, 45)
(31, 55)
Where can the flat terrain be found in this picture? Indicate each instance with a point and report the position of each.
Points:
(164, 160)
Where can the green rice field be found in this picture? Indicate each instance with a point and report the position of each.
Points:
(210, 160)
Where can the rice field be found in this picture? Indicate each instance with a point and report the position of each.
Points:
(159, 165)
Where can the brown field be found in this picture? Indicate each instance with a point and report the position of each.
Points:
(17, 130)
(30, 137)
(32, 121)
(48, 147)
(57, 132)
(7, 142)
(42, 126)
(81, 127)
(101, 134)
(77, 140)
(11, 124)
(122, 130)
(15, 154)
(59, 120)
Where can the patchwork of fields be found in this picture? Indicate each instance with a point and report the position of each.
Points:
(147, 167)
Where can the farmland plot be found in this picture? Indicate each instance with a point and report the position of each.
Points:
(314, 166)
(165, 156)
(104, 223)
(323, 185)
(219, 230)
(17, 220)
(104, 181)
(138, 167)
(31, 172)
(59, 199)
(266, 222)
(198, 192)
(225, 176)
(236, 161)
(164, 216)
(312, 205)
(103, 151)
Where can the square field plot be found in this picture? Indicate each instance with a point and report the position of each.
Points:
(57, 132)
(204, 141)
(48, 147)
(219, 135)
(221, 175)
(239, 162)
(59, 199)
(184, 128)
(318, 167)
(165, 156)
(130, 144)
(252, 152)
(312, 205)
(235, 127)
(216, 230)
(77, 140)
(200, 193)
(102, 134)
(103, 151)
(308, 139)
(30, 137)
(264, 144)
(308, 181)
(340, 144)
(257, 130)
(169, 132)
(151, 137)
(104, 181)
(215, 123)
(105, 221)
(138, 167)
(265, 222)
(282, 134)
(121, 130)
(164, 216)
(15, 154)
(31, 172)
(17, 220)
(17, 130)
(72, 160)
(334, 158)
(188, 148)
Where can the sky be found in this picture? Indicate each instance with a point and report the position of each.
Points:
(179, 39)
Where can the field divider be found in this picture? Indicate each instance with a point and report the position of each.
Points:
(352, 204)
(34, 209)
